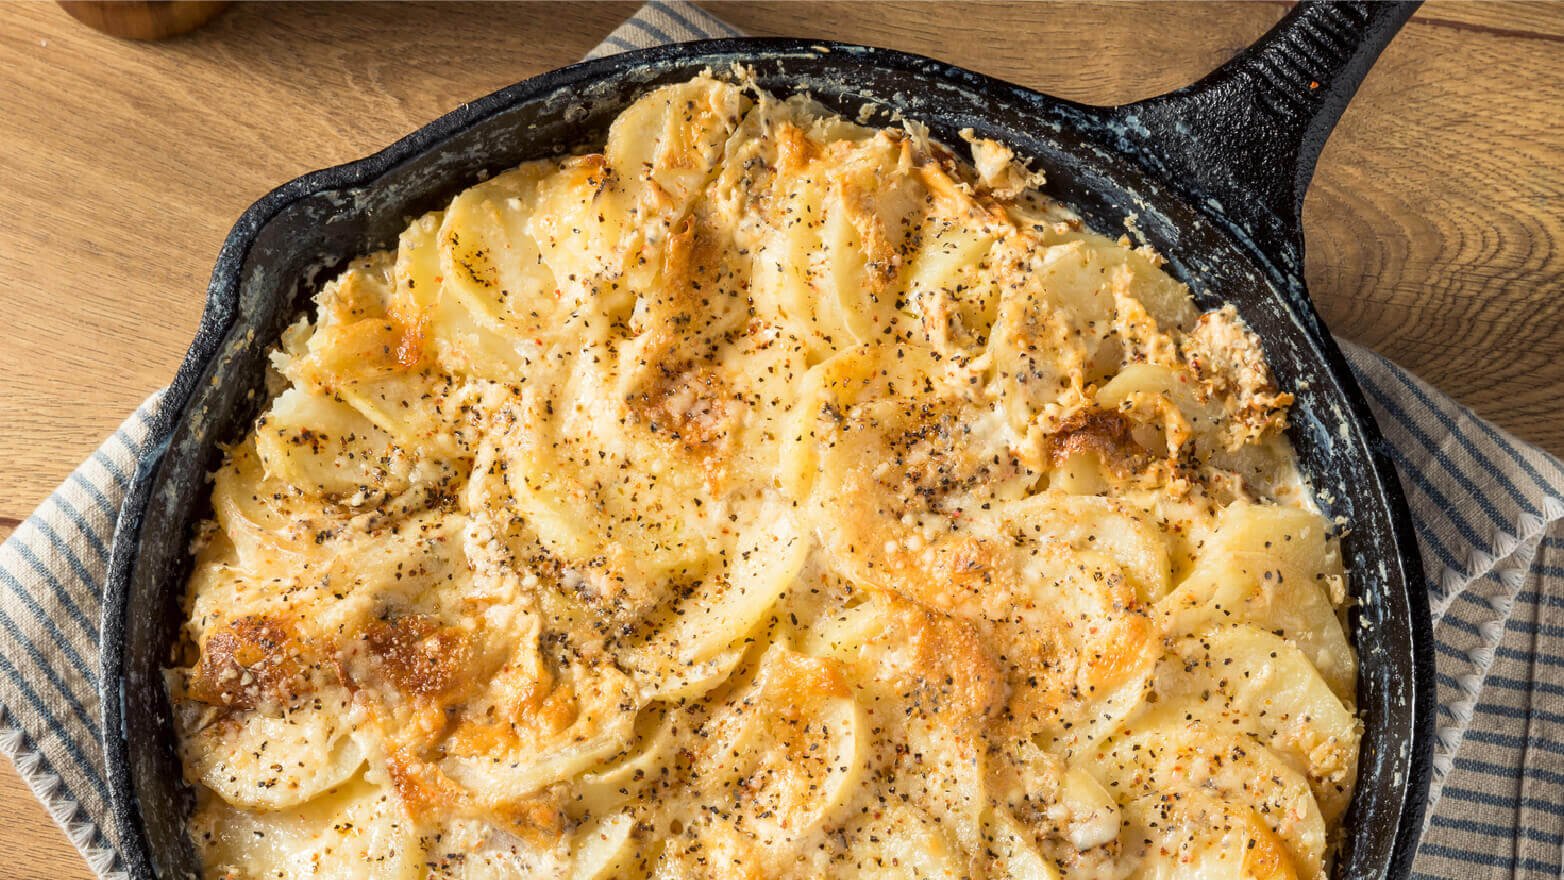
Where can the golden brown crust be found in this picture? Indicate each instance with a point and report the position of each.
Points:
(421, 657)
(252, 662)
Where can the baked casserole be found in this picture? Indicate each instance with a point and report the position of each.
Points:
(765, 496)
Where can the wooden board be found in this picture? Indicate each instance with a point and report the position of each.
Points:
(1435, 228)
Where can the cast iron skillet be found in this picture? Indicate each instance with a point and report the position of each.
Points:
(1215, 174)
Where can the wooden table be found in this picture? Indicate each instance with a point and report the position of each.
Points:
(1436, 221)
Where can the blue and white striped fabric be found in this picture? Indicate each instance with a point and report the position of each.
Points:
(1487, 508)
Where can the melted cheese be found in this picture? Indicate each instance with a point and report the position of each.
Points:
(765, 496)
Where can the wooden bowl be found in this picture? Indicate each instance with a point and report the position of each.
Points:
(146, 20)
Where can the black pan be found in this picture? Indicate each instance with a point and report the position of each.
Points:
(1215, 174)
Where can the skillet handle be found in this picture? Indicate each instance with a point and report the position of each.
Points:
(1244, 140)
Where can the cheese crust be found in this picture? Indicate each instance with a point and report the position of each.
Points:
(765, 496)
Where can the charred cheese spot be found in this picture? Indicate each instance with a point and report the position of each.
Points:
(1101, 433)
(253, 662)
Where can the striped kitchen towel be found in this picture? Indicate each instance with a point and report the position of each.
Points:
(1487, 508)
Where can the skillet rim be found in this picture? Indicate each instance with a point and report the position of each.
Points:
(221, 313)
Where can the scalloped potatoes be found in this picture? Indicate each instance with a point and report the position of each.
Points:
(765, 496)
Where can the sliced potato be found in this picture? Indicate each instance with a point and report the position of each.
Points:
(1239, 678)
(355, 830)
(789, 753)
(1273, 567)
(270, 761)
(1165, 755)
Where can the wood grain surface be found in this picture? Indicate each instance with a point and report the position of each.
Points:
(1435, 223)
